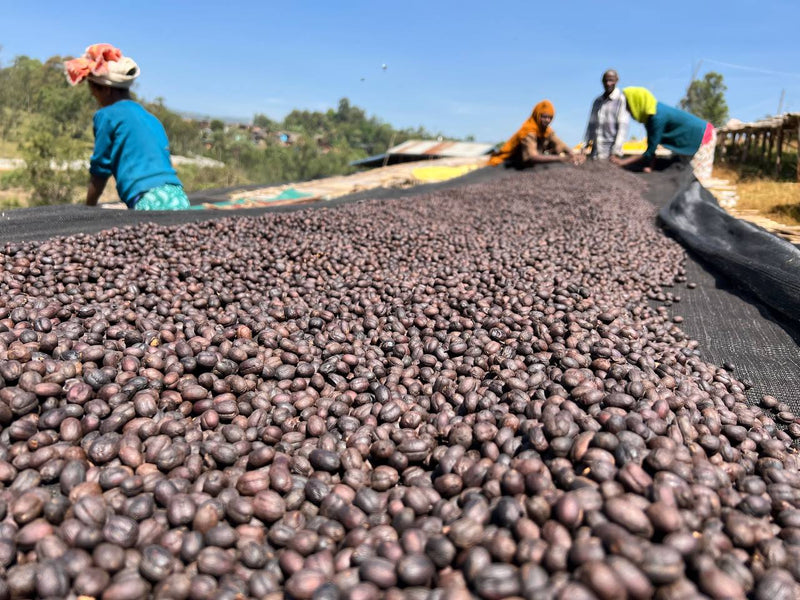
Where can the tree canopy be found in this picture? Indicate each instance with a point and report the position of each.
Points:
(706, 99)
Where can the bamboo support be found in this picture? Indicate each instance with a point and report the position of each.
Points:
(771, 143)
(746, 150)
(740, 142)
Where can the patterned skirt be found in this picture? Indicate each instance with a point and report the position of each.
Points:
(164, 197)
(702, 162)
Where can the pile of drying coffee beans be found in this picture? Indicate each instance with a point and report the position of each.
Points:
(475, 393)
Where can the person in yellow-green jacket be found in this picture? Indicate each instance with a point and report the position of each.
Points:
(675, 129)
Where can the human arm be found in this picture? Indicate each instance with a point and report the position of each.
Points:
(564, 152)
(655, 131)
(632, 160)
(624, 162)
(95, 189)
(100, 164)
(531, 154)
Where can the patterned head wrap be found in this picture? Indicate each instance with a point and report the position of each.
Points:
(103, 64)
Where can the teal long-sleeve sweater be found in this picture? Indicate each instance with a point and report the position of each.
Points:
(675, 129)
(131, 144)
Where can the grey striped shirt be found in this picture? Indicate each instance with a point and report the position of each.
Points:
(608, 125)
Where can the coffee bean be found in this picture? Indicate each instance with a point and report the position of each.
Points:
(305, 583)
(156, 563)
(662, 564)
(379, 571)
(478, 391)
(52, 579)
(127, 588)
(497, 581)
(215, 561)
(91, 582)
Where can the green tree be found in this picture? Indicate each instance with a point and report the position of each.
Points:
(216, 125)
(183, 135)
(706, 99)
(50, 163)
(264, 122)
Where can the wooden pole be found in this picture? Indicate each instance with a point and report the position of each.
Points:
(769, 145)
(743, 146)
(748, 141)
(778, 152)
(798, 150)
(722, 150)
(763, 145)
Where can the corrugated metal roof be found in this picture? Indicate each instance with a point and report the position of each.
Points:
(445, 148)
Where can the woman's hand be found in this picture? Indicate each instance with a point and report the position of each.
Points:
(624, 162)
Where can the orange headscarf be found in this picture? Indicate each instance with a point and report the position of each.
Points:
(94, 62)
(545, 107)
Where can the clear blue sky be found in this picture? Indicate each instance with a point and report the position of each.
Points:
(457, 67)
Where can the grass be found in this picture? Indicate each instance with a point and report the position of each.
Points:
(8, 149)
(196, 178)
(779, 200)
(14, 198)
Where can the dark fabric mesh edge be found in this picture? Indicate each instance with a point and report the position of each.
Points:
(762, 262)
(732, 325)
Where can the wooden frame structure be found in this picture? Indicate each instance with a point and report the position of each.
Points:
(736, 142)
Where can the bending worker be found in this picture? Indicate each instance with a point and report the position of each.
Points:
(535, 142)
(680, 131)
(608, 121)
(130, 143)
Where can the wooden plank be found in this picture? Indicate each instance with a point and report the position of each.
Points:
(769, 146)
(746, 151)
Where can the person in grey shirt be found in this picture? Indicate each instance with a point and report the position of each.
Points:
(608, 121)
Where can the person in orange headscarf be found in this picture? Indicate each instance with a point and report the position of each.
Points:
(535, 142)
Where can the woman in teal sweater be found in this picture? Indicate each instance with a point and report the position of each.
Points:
(130, 143)
(681, 132)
